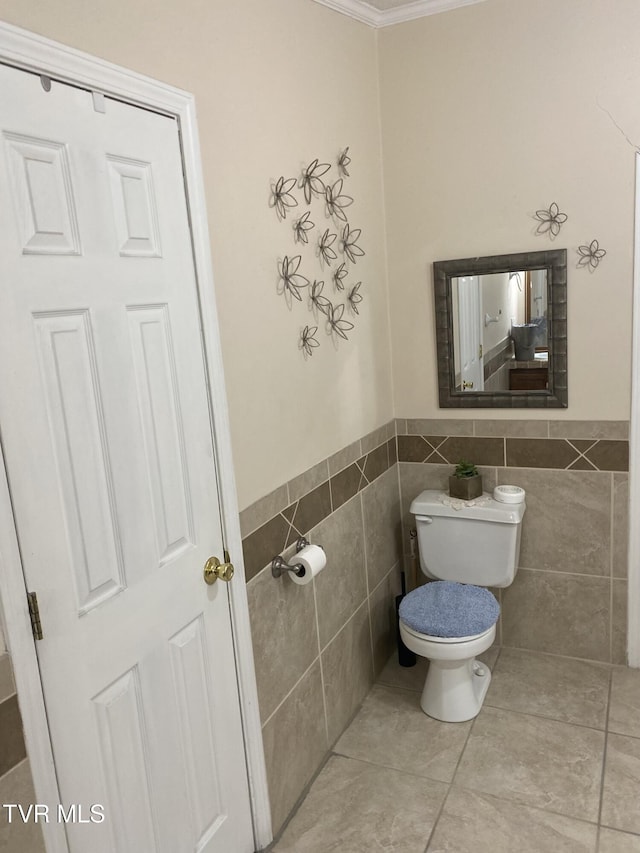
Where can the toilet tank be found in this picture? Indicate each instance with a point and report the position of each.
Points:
(478, 544)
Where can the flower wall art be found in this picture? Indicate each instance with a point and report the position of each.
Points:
(316, 269)
(550, 221)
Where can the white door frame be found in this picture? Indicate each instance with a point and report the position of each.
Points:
(34, 53)
(633, 589)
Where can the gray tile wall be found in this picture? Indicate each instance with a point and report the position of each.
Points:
(318, 648)
(570, 594)
(16, 785)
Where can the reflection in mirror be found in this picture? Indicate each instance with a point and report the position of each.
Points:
(500, 319)
(501, 330)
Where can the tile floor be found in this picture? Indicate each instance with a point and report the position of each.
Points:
(550, 765)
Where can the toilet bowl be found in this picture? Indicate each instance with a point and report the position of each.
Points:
(456, 682)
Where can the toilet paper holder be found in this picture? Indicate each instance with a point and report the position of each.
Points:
(279, 565)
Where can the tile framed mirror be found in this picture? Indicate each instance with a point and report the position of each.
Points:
(501, 330)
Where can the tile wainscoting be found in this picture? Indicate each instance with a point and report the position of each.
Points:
(318, 648)
(570, 594)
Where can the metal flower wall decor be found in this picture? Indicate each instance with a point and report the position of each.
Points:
(326, 253)
(337, 200)
(338, 325)
(318, 301)
(290, 280)
(551, 220)
(339, 276)
(321, 187)
(281, 197)
(308, 341)
(355, 297)
(350, 243)
(591, 255)
(311, 181)
(343, 162)
(302, 226)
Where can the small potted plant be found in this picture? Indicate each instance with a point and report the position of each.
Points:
(465, 483)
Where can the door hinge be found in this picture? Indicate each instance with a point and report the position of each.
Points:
(480, 351)
(34, 613)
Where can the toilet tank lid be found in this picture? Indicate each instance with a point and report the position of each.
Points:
(434, 502)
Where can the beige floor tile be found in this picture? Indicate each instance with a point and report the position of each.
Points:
(18, 837)
(7, 685)
(621, 793)
(559, 688)
(612, 841)
(528, 774)
(624, 711)
(392, 730)
(407, 677)
(533, 761)
(355, 807)
(473, 822)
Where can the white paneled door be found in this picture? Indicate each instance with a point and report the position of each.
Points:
(470, 335)
(105, 425)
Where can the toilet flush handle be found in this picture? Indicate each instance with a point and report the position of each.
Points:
(426, 519)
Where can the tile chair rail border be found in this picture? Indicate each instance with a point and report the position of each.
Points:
(298, 517)
(272, 523)
(571, 454)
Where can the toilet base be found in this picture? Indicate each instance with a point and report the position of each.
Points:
(454, 690)
(456, 682)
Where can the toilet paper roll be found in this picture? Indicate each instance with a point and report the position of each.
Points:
(313, 559)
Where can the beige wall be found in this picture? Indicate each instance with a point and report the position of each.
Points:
(505, 104)
(495, 302)
(510, 105)
(276, 84)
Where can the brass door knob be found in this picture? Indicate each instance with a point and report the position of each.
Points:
(214, 570)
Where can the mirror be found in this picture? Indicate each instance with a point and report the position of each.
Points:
(501, 330)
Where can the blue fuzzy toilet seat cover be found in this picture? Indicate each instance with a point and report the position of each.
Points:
(449, 609)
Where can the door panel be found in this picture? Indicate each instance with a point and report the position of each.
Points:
(107, 440)
(42, 195)
(66, 354)
(471, 365)
(118, 712)
(134, 208)
(192, 683)
(162, 428)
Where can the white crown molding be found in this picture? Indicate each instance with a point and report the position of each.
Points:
(356, 9)
(362, 11)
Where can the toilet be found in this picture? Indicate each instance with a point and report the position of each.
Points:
(464, 547)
